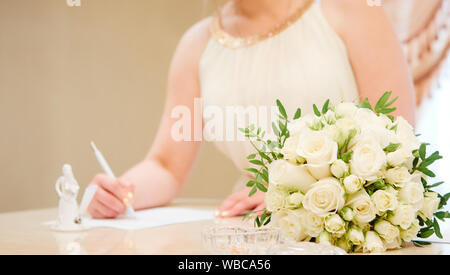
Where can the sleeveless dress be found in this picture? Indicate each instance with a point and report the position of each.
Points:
(305, 63)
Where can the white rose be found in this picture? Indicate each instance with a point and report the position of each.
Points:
(346, 109)
(379, 133)
(289, 150)
(386, 121)
(368, 159)
(363, 207)
(347, 213)
(345, 125)
(317, 148)
(365, 118)
(294, 200)
(400, 157)
(329, 118)
(365, 226)
(306, 122)
(300, 125)
(412, 193)
(353, 184)
(411, 233)
(430, 205)
(355, 235)
(324, 238)
(335, 224)
(325, 197)
(403, 216)
(282, 172)
(405, 133)
(275, 197)
(373, 126)
(319, 171)
(342, 130)
(384, 201)
(373, 243)
(343, 244)
(290, 223)
(387, 231)
(398, 176)
(339, 168)
(393, 244)
(312, 223)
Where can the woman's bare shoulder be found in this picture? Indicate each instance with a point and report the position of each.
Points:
(193, 43)
(350, 17)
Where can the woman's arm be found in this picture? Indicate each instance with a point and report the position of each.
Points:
(374, 51)
(160, 176)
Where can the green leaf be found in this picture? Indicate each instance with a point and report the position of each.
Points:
(427, 172)
(252, 156)
(281, 109)
(316, 110)
(426, 233)
(347, 156)
(420, 243)
(366, 104)
(252, 170)
(382, 106)
(392, 147)
(264, 156)
(423, 151)
(250, 183)
(275, 129)
(415, 163)
(298, 114)
(257, 162)
(436, 184)
(265, 175)
(437, 229)
(253, 191)
(261, 187)
(383, 99)
(257, 222)
(442, 215)
(325, 107)
(444, 200)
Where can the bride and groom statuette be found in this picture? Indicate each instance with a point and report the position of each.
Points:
(67, 189)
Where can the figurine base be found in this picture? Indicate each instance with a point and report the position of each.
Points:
(68, 228)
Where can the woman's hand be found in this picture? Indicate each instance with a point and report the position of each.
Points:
(111, 198)
(240, 202)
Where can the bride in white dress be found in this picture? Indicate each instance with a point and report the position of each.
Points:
(253, 52)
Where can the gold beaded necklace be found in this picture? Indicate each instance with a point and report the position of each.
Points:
(234, 42)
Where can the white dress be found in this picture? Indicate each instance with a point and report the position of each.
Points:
(304, 64)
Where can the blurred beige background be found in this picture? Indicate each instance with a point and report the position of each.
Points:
(69, 75)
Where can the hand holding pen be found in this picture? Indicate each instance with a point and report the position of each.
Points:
(113, 197)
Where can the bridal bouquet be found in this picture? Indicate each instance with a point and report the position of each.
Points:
(349, 175)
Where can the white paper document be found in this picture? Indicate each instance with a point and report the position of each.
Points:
(151, 218)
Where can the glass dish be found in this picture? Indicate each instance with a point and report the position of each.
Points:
(238, 240)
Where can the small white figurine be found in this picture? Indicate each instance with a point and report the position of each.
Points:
(68, 212)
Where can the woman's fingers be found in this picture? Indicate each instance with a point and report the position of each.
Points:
(114, 186)
(239, 202)
(237, 209)
(228, 203)
(110, 198)
(260, 207)
(100, 211)
(110, 201)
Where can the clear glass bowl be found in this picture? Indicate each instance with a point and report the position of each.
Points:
(237, 240)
